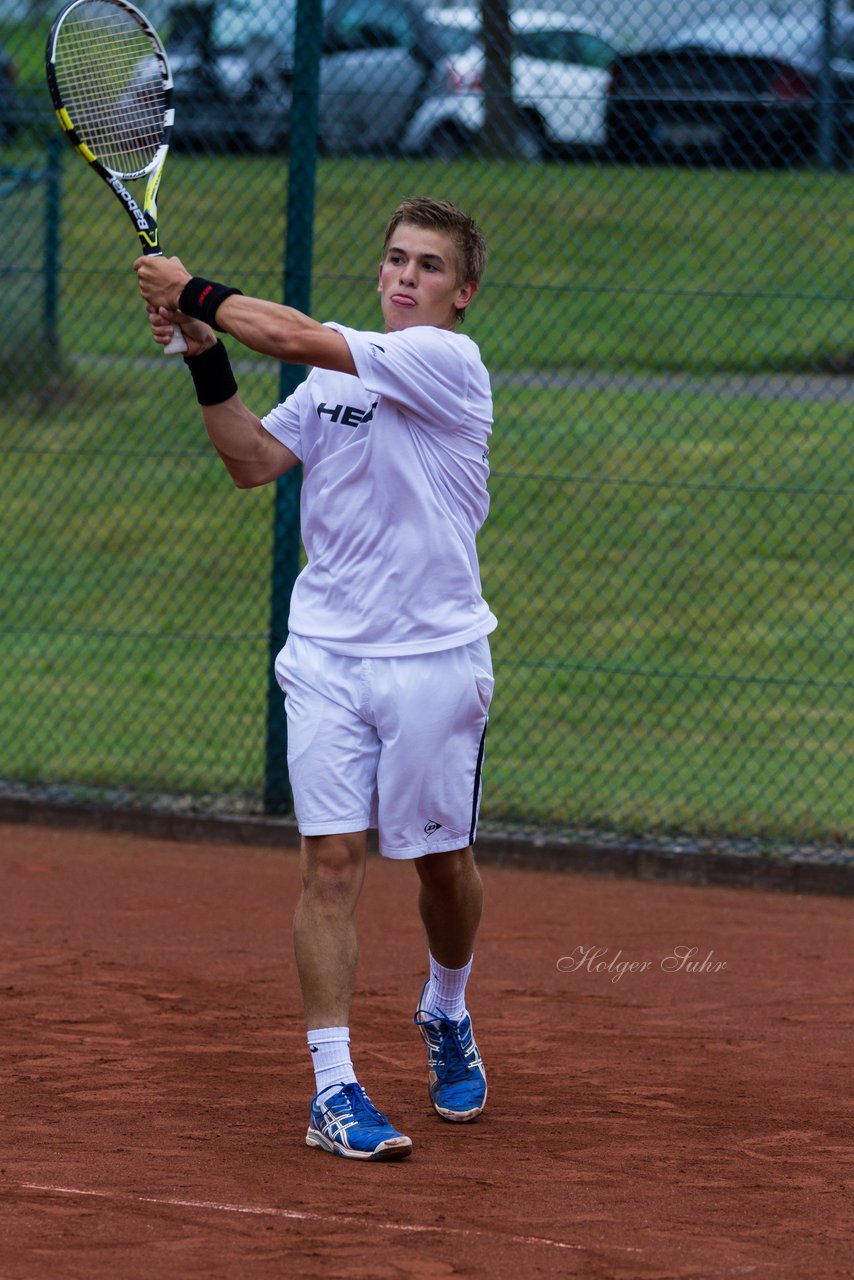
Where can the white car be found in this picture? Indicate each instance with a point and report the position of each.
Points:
(560, 78)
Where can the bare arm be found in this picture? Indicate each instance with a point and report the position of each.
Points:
(266, 327)
(284, 333)
(252, 456)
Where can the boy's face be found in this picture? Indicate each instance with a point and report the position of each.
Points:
(418, 281)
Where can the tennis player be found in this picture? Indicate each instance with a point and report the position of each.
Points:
(387, 670)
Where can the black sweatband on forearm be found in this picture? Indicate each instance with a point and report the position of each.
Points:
(200, 299)
(212, 375)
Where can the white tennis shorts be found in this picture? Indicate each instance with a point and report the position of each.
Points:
(392, 743)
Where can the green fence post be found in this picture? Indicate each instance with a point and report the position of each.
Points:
(51, 243)
(297, 291)
(826, 93)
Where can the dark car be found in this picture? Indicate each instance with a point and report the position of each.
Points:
(744, 90)
(8, 78)
(232, 66)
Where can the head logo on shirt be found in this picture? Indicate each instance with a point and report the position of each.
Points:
(346, 414)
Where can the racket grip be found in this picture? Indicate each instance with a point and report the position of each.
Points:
(176, 345)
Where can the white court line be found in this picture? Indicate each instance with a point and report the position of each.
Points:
(294, 1215)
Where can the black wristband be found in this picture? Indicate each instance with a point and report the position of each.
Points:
(212, 375)
(200, 299)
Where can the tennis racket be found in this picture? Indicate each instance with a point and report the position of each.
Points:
(111, 86)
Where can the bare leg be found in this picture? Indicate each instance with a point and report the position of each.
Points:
(325, 942)
(343, 1120)
(450, 901)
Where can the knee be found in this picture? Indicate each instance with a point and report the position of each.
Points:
(447, 872)
(333, 867)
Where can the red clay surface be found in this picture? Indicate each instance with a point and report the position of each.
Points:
(154, 1081)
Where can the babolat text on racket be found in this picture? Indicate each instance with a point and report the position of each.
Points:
(111, 86)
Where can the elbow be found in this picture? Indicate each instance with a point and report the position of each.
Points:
(245, 477)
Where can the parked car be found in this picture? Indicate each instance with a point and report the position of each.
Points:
(232, 67)
(232, 64)
(378, 64)
(744, 90)
(559, 77)
(8, 79)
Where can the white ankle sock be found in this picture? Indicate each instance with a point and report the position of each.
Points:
(330, 1056)
(446, 990)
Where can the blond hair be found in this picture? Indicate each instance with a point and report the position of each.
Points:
(441, 215)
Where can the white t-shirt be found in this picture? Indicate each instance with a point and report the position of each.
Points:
(394, 493)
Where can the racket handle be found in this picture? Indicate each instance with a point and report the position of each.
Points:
(176, 345)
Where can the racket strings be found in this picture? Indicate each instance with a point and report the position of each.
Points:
(112, 87)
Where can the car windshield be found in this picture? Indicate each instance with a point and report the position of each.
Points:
(576, 47)
(239, 21)
(451, 40)
(784, 37)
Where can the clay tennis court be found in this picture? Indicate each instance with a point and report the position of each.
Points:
(643, 1122)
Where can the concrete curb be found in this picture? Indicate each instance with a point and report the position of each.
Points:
(630, 861)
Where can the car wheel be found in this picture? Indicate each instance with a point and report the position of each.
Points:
(264, 129)
(621, 146)
(530, 141)
(447, 141)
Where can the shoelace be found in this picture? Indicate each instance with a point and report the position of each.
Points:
(355, 1108)
(452, 1057)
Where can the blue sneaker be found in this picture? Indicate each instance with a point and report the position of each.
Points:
(456, 1078)
(346, 1122)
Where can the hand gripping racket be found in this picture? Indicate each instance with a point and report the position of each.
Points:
(112, 89)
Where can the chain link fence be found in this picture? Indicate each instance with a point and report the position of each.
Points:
(667, 319)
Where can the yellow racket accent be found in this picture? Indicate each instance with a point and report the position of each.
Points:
(68, 127)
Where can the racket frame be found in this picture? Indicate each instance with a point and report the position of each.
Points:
(144, 218)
